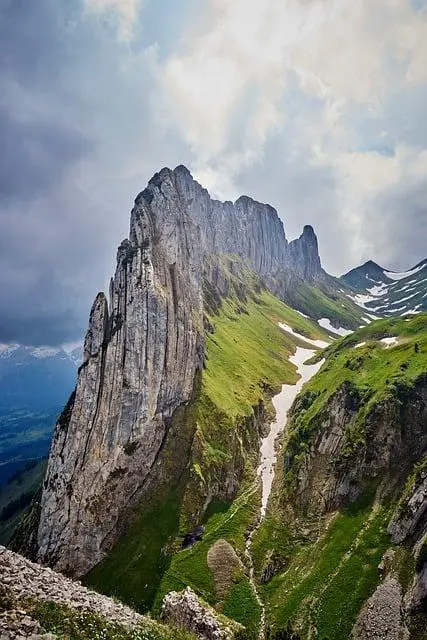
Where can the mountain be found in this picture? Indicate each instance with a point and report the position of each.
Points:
(144, 353)
(34, 383)
(174, 464)
(387, 293)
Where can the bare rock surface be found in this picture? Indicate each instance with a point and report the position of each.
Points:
(24, 579)
(380, 617)
(185, 610)
(18, 625)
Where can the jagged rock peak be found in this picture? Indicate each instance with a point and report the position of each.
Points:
(304, 254)
(248, 228)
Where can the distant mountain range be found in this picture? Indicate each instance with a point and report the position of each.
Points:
(385, 293)
(36, 377)
(34, 384)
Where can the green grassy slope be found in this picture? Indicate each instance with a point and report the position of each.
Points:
(325, 569)
(246, 361)
(327, 581)
(330, 302)
(374, 370)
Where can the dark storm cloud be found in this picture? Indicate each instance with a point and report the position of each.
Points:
(86, 119)
(34, 155)
(77, 145)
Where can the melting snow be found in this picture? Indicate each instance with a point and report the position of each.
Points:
(282, 403)
(389, 341)
(326, 324)
(317, 343)
(405, 274)
(404, 299)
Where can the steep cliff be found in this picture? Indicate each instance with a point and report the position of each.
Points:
(143, 350)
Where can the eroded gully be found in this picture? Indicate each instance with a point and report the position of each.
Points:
(282, 402)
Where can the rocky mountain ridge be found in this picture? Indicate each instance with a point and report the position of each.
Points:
(143, 350)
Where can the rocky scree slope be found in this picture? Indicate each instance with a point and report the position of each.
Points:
(143, 354)
(34, 600)
(351, 487)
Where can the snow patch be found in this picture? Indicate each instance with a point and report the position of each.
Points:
(325, 323)
(405, 274)
(316, 343)
(389, 342)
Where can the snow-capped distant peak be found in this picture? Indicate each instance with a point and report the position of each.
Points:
(388, 293)
(394, 275)
(45, 352)
(6, 350)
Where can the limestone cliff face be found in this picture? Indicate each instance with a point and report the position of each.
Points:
(303, 255)
(335, 473)
(142, 352)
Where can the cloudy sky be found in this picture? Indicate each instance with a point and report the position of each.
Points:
(315, 106)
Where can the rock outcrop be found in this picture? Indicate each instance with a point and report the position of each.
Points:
(336, 472)
(380, 617)
(409, 526)
(143, 349)
(186, 611)
(23, 579)
(303, 255)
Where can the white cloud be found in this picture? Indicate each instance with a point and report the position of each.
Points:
(125, 11)
(229, 89)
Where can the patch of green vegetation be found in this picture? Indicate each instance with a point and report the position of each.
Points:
(71, 624)
(197, 470)
(134, 569)
(189, 567)
(247, 353)
(327, 581)
(241, 604)
(326, 302)
(371, 373)
(404, 566)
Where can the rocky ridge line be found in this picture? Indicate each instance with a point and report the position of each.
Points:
(142, 353)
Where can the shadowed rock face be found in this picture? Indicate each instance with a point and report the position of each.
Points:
(142, 351)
